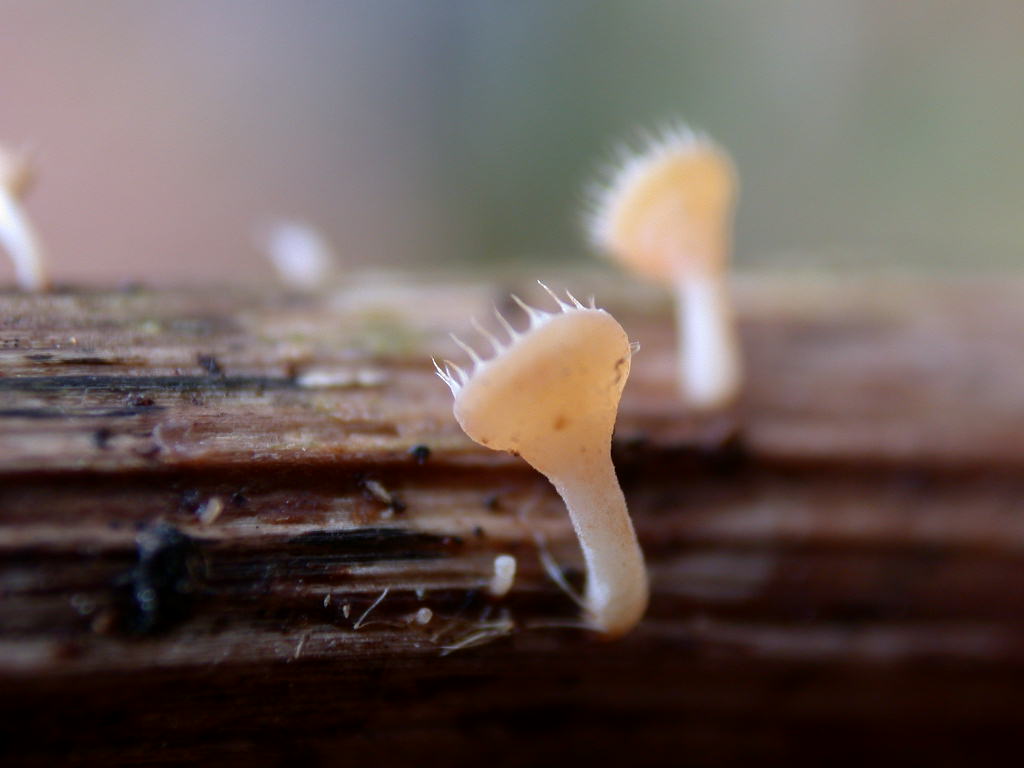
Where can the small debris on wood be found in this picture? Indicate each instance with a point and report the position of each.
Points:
(378, 492)
(481, 633)
(362, 619)
(210, 511)
(504, 575)
(210, 364)
(341, 377)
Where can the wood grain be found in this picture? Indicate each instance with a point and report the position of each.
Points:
(221, 512)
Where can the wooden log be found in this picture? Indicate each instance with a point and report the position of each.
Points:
(240, 525)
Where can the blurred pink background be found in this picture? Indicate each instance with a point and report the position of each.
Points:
(167, 133)
(869, 134)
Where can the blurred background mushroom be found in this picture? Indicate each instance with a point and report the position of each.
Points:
(452, 130)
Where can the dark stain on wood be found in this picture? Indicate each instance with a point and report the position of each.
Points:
(210, 364)
(363, 545)
(191, 499)
(75, 413)
(159, 592)
(727, 457)
(101, 437)
(95, 360)
(124, 384)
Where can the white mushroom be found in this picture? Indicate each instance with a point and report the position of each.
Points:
(550, 395)
(300, 253)
(504, 575)
(17, 236)
(666, 214)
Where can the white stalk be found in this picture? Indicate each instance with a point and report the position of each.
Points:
(616, 589)
(551, 396)
(19, 240)
(709, 352)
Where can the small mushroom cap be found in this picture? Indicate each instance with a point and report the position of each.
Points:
(667, 211)
(15, 172)
(553, 393)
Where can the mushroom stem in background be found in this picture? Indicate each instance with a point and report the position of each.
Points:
(550, 395)
(666, 215)
(17, 236)
(709, 352)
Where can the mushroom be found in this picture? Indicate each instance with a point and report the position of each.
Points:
(666, 214)
(16, 234)
(300, 253)
(550, 395)
(504, 575)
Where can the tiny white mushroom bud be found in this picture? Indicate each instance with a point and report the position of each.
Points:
(301, 255)
(423, 616)
(504, 575)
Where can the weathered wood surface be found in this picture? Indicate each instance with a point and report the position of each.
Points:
(837, 564)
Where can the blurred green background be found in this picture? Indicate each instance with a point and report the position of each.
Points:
(868, 134)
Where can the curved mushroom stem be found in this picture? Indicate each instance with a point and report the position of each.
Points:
(709, 352)
(19, 240)
(616, 589)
